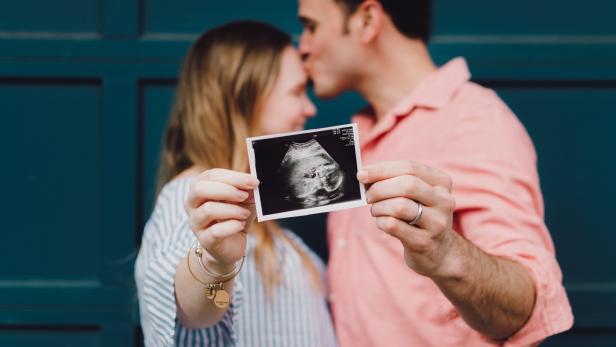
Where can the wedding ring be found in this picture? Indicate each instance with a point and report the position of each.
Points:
(418, 214)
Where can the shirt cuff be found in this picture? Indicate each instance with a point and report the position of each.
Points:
(552, 312)
(224, 333)
(158, 300)
(160, 304)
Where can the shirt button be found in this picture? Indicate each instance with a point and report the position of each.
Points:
(340, 242)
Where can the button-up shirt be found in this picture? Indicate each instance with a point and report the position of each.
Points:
(457, 126)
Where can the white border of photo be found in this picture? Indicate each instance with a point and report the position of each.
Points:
(309, 210)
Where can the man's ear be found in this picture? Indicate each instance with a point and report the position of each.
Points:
(369, 18)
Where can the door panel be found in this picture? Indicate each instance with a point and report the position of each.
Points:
(87, 86)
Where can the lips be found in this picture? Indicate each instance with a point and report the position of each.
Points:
(308, 69)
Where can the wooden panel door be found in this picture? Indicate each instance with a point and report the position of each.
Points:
(86, 88)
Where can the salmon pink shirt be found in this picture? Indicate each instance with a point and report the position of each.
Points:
(452, 124)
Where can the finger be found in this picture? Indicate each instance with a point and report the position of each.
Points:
(385, 170)
(413, 238)
(433, 220)
(251, 198)
(212, 211)
(202, 191)
(400, 208)
(237, 179)
(407, 186)
(221, 230)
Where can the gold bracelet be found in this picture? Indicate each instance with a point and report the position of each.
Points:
(218, 277)
(215, 291)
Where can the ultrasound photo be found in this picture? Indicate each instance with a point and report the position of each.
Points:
(306, 172)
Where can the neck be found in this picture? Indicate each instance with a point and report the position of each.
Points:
(395, 70)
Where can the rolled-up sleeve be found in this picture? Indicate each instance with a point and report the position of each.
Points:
(158, 258)
(499, 207)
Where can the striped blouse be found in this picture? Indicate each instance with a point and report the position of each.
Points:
(296, 315)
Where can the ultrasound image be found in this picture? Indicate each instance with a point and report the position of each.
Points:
(306, 170)
(314, 178)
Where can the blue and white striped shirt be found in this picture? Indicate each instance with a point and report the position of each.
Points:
(296, 315)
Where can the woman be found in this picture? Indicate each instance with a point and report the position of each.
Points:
(238, 80)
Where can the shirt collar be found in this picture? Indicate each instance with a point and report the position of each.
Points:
(439, 88)
(433, 92)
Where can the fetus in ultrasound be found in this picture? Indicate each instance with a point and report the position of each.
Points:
(312, 177)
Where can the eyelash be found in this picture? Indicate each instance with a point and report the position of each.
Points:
(310, 27)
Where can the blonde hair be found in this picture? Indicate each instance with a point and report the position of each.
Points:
(225, 77)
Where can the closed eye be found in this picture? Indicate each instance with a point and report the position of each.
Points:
(308, 24)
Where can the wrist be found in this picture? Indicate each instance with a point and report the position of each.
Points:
(452, 260)
(215, 265)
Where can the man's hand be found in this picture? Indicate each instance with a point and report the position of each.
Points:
(494, 295)
(396, 190)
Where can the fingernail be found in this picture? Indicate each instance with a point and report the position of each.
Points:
(362, 175)
(252, 182)
(242, 196)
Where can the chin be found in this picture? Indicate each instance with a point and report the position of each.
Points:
(298, 127)
(323, 91)
(289, 129)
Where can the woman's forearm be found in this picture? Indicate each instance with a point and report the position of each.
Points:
(194, 308)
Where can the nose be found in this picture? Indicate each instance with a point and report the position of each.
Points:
(304, 46)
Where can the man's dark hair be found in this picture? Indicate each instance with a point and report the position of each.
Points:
(412, 18)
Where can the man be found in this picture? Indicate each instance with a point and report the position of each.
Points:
(452, 177)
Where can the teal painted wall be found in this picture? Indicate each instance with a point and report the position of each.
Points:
(86, 86)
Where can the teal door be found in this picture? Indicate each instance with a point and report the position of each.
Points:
(86, 86)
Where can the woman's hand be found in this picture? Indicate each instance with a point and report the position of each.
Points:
(220, 207)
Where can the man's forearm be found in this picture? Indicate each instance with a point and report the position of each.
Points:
(494, 295)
